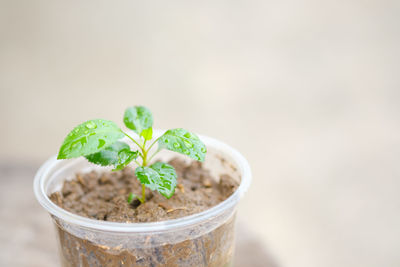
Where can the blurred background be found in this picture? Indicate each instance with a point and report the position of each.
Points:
(308, 91)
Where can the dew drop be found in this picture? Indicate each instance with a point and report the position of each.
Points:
(203, 149)
(91, 125)
(76, 145)
(186, 151)
(188, 144)
(176, 145)
(197, 156)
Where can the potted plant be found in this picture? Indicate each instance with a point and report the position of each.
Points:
(164, 209)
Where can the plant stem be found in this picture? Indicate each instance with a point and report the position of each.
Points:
(155, 153)
(133, 140)
(152, 144)
(143, 193)
(144, 160)
(144, 143)
(144, 163)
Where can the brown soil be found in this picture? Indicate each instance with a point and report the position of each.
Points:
(213, 249)
(103, 195)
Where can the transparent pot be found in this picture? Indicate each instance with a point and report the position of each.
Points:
(203, 239)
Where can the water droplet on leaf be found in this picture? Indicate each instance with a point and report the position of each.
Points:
(76, 145)
(91, 125)
(176, 145)
(188, 144)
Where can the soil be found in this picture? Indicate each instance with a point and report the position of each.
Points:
(103, 196)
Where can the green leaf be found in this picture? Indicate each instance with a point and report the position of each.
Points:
(147, 133)
(138, 118)
(118, 154)
(125, 157)
(147, 176)
(184, 142)
(168, 178)
(131, 197)
(88, 138)
(159, 176)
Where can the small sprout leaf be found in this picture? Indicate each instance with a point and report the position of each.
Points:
(118, 154)
(147, 176)
(125, 157)
(138, 119)
(168, 178)
(131, 197)
(159, 176)
(147, 134)
(88, 138)
(184, 142)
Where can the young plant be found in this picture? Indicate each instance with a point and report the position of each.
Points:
(98, 141)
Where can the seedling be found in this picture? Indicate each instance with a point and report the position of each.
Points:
(98, 141)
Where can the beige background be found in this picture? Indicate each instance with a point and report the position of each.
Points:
(307, 90)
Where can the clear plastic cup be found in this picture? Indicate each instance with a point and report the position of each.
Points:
(203, 239)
